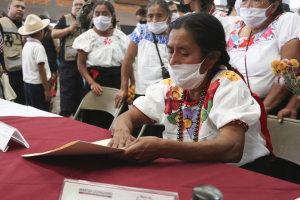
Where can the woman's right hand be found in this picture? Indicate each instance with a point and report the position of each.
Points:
(120, 97)
(121, 138)
(96, 88)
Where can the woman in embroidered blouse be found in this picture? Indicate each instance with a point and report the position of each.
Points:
(101, 51)
(213, 118)
(208, 6)
(149, 69)
(273, 36)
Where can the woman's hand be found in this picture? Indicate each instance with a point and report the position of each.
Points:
(120, 97)
(286, 112)
(122, 138)
(96, 88)
(142, 150)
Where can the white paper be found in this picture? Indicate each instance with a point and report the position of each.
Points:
(84, 190)
(8, 108)
(8, 132)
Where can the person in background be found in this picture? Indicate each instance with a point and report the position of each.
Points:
(174, 11)
(150, 60)
(36, 71)
(268, 35)
(232, 11)
(209, 113)
(2, 14)
(101, 51)
(208, 6)
(286, 7)
(52, 51)
(13, 46)
(71, 83)
(141, 16)
(1, 63)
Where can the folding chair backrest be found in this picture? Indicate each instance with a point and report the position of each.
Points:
(285, 138)
(105, 102)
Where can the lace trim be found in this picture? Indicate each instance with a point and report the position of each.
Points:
(241, 122)
(151, 120)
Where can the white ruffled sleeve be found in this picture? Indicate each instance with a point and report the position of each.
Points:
(288, 28)
(83, 42)
(233, 102)
(228, 25)
(153, 103)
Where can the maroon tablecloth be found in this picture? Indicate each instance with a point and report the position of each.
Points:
(42, 177)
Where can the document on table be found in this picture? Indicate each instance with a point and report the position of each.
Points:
(80, 148)
(8, 132)
(85, 190)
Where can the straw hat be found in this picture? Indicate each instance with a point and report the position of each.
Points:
(33, 24)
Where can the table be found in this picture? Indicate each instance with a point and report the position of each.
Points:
(42, 177)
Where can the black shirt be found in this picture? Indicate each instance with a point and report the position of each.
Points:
(18, 25)
(61, 24)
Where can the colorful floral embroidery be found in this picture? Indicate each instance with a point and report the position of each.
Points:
(189, 119)
(237, 43)
(208, 100)
(168, 81)
(173, 99)
(107, 41)
(231, 76)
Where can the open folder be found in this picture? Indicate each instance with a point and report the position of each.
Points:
(80, 148)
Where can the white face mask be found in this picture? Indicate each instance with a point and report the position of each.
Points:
(237, 6)
(157, 27)
(254, 17)
(187, 76)
(174, 16)
(102, 23)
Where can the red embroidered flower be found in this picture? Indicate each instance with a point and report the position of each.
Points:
(107, 41)
(245, 43)
(170, 102)
(94, 72)
(211, 93)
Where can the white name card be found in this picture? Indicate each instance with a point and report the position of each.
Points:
(8, 132)
(85, 190)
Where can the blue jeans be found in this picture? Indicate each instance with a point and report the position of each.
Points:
(35, 96)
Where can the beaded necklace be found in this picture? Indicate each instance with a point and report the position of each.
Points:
(180, 122)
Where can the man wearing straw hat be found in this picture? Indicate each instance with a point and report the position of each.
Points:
(36, 70)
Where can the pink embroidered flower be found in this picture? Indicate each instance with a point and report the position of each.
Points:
(267, 33)
(230, 43)
(93, 36)
(107, 41)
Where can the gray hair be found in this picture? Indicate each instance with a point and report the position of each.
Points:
(11, 1)
(162, 3)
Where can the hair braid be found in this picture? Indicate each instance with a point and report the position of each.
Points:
(203, 5)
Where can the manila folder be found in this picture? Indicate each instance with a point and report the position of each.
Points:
(80, 148)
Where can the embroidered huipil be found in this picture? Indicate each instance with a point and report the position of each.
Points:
(228, 100)
(103, 51)
(263, 48)
(149, 69)
(227, 23)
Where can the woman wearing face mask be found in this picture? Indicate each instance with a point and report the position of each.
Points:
(150, 60)
(208, 6)
(266, 35)
(209, 113)
(101, 51)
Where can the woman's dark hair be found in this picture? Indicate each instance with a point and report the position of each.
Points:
(141, 11)
(109, 6)
(204, 3)
(230, 4)
(162, 3)
(46, 29)
(279, 8)
(208, 33)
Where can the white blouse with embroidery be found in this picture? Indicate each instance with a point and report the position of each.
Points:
(103, 51)
(263, 48)
(228, 100)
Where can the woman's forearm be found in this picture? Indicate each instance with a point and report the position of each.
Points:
(85, 74)
(275, 96)
(294, 103)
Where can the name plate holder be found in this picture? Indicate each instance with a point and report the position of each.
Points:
(85, 190)
(8, 132)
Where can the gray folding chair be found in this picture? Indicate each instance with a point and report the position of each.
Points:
(105, 102)
(285, 138)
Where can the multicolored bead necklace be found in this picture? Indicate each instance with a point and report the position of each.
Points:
(180, 122)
